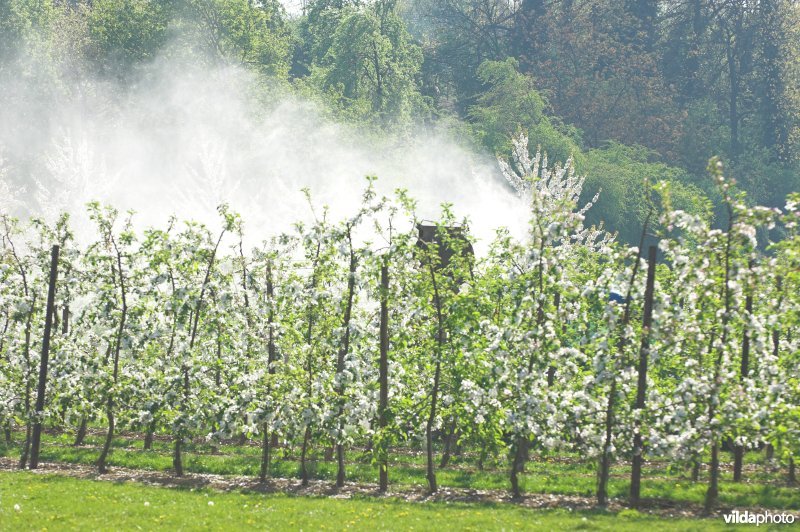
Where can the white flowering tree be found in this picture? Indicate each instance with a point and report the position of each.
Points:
(193, 261)
(314, 357)
(25, 270)
(109, 263)
(727, 380)
(783, 311)
(272, 375)
(541, 288)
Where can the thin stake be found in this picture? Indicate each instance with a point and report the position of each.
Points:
(383, 376)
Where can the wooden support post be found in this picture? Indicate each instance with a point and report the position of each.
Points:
(551, 371)
(270, 439)
(65, 320)
(738, 450)
(383, 376)
(41, 388)
(641, 391)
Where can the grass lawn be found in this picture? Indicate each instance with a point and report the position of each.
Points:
(553, 475)
(31, 501)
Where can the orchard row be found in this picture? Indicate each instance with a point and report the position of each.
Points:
(380, 330)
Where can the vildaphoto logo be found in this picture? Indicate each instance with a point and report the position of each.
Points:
(758, 518)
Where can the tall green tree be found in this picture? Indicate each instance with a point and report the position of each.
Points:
(372, 64)
(246, 32)
(459, 36)
(510, 102)
(124, 33)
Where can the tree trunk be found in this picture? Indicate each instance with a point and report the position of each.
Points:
(81, 435)
(270, 440)
(303, 453)
(27, 401)
(605, 457)
(26, 446)
(101, 462)
(694, 53)
(712, 495)
(340, 359)
(177, 458)
(738, 451)
(309, 366)
(431, 473)
(148, 437)
(775, 131)
(41, 388)
(6, 323)
(517, 464)
(734, 88)
(448, 443)
(265, 455)
(339, 465)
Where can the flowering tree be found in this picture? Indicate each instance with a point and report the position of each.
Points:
(541, 283)
(782, 310)
(732, 365)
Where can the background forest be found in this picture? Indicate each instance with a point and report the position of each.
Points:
(631, 89)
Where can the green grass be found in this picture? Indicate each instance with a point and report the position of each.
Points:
(543, 475)
(61, 503)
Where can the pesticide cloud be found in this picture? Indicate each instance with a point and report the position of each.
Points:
(184, 139)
